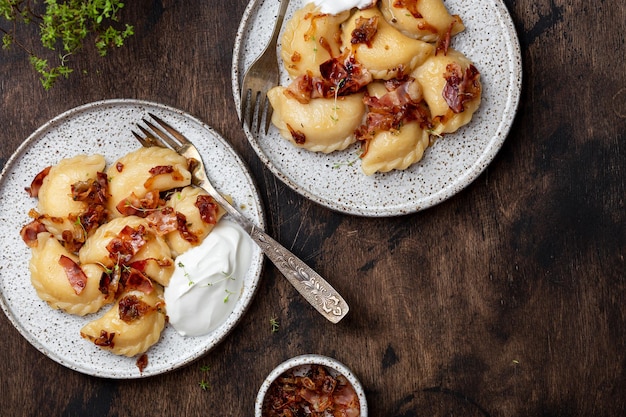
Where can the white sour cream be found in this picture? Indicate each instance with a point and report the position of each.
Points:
(338, 6)
(208, 280)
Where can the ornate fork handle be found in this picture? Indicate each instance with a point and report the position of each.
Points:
(319, 293)
(315, 289)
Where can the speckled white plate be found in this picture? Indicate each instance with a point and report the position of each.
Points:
(105, 127)
(301, 364)
(450, 165)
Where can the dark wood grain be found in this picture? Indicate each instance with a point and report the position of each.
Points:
(509, 299)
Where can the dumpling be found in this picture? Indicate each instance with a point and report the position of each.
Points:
(322, 125)
(56, 202)
(52, 271)
(380, 48)
(310, 38)
(146, 169)
(131, 326)
(139, 243)
(427, 20)
(201, 215)
(452, 90)
(397, 149)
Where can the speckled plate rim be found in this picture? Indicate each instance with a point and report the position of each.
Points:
(448, 167)
(79, 354)
(310, 359)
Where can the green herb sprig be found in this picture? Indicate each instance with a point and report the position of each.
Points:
(64, 26)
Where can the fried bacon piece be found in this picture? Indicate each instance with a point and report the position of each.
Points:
(136, 206)
(162, 170)
(105, 339)
(163, 221)
(401, 104)
(460, 86)
(133, 277)
(33, 190)
(316, 393)
(30, 231)
(94, 191)
(132, 308)
(208, 209)
(364, 31)
(127, 243)
(75, 275)
(340, 76)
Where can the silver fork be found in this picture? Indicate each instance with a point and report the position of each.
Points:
(319, 293)
(262, 75)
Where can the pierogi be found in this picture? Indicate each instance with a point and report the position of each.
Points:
(109, 236)
(404, 48)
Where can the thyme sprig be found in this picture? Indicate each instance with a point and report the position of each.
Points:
(64, 26)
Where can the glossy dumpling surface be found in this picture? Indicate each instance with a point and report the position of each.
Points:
(186, 203)
(310, 38)
(389, 53)
(321, 125)
(51, 282)
(427, 20)
(128, 334)
(434, 75)
(397, 149)
(144, 170)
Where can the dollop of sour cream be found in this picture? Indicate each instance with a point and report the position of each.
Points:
(208, 280)
(338, 6)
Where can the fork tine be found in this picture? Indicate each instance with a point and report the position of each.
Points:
(179, 136)
(145, 141)
(164, 137)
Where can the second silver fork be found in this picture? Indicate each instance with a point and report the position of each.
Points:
(262, 75)
(315, 289)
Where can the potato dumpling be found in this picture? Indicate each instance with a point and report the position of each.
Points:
(427, 20)
(389, 53)
(50, 279)
(321, 125)
(310, 38)
(56, 202)
(395, 149)
(432, 78)
(144, 170)
(155, 249)
(185, 202)
(131, 326)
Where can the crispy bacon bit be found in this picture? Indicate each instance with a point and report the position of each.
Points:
(93, 191)
(298, 137)
(127, 243)
(135, 206)
(33, 190)
(142, 362)
(208, 209)
(443, 44)
(162, 170)
(460, 87)
(105, 339)
(75, 275)
(30, 231)
(163, 221)
(315, 393)
(340, 76)
(184, 231)
(401, 104)
(131, 308)
(119, 167)
(133, 277)
(410, 5)
(364, 31)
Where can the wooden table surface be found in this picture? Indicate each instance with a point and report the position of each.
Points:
(508, 299)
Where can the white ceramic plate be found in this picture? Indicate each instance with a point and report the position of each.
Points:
(105, 127)
(450, 165)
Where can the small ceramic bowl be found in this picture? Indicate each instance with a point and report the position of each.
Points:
(302, 362)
